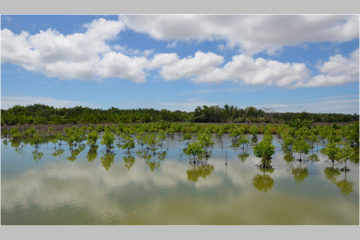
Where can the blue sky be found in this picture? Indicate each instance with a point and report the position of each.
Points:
(288, 63)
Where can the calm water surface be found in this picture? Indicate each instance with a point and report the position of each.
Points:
(78, 187)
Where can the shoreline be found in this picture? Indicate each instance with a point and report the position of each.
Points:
(61, 127)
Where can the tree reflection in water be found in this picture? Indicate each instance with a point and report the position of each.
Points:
(107, 160)
(92, 153)
(129, 161)
(196, 172)
(346, 187)
(37, 155)
(76, 152)
(300, 174)
(263, 182)
(58, 152)
(147, 156)
(243, 156)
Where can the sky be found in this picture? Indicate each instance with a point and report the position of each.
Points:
(282, 63)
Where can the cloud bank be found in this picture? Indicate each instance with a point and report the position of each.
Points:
(90, 55)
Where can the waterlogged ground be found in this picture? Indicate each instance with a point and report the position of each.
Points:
(78, 187)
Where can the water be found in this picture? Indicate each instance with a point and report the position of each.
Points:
(167, 189)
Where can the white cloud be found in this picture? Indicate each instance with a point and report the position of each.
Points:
(130, 51)
(89, 56)
(7, 102)
(242, 68)
(251, 33)
(171, 45)
(75, 56)
(8, 19)
(338, 70)
(187, 67)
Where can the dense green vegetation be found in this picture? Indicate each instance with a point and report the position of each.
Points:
(43, 114)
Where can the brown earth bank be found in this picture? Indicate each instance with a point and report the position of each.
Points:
(61, 127)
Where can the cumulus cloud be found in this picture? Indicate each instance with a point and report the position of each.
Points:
(203, 68)
(89, 55)
(338, 70)
(75, 56)
(186, 67)
(171, 45)
(251, 33)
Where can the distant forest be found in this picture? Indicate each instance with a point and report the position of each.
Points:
(43, 114)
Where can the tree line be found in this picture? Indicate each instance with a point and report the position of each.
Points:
(42, 114)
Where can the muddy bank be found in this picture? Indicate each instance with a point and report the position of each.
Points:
(61, 127)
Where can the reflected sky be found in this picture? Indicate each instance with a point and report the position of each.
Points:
(97, 188)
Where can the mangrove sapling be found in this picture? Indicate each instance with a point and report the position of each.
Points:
(194, 149)
(108, 139)
(205, 141)
(243, 141)
(92, 138)
(60, 137)
(14, 130)
(187, 137)
(50, 129)
(161, 137)
(264, 150)
(345, 153)
(301, 147)
(6, 133)
(331, 150)
(220, 133)
(16, 135)
(36, 140)
(54, 141)
(129, 144)
(140, 137)
(32, 130)
(254, 130)
(289, 141)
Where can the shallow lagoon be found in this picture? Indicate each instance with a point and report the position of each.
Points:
(168, 189)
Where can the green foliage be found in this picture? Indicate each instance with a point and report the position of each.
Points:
(92, 137)
(254, 130)
(331, 149)
(194, 149)
(301, 146)
(187, 136)
(264, 149)
(36, 139)
(50, 129)
(5, 132)
(108, 139)
(43, 114)
(16, 135)
(14, 130)
(129, 143)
